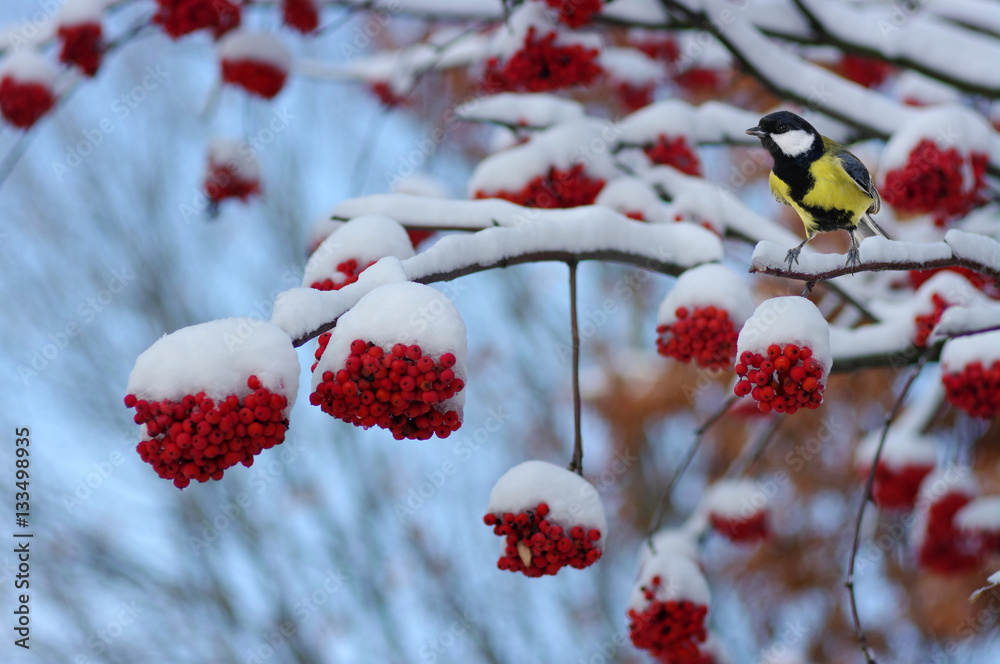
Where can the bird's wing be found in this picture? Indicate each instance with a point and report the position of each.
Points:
(859, 174)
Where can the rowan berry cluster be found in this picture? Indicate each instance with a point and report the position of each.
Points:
(255, 76)
(705, 335)
(542, 66)
(538, 547)
(81, 46)
(674, 152)
(24, 102)
(944, 550)
(181, 17)
(556, 189)
(633, 97)
(301, 15)
(670, 630)
(932, 182)
(927, 322)
(869, 72)
(741, 529)
(975, 389)
(576, 13)
(349, 269)
(660, 47)
(198, 438)
(224, 181)
(896, 488)
(787, 379)
(400, 390)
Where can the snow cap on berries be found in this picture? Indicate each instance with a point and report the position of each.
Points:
(364, 240)
(81, 34)
(934, 535)
(550, 153)
(737, 509)
(704, 285)
(232, 172)
(677, 541)
(27, 83)
(787, 320)
(401, 313)
(256, 61)
(668, 608)
(572, 500)
(217, 358)
(635, 198)
(907, 458)
(980, 522)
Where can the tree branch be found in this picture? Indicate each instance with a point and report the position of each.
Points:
(862, 639)
(576, 465)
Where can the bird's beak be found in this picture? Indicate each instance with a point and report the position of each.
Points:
(757, 131)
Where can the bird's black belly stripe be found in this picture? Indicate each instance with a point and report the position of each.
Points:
(796, 175)
(829, 219)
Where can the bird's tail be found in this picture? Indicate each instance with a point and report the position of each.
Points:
(868, 228)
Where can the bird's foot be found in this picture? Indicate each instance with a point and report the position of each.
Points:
(853, 259)
(792, 256)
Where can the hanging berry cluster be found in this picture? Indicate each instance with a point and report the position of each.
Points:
(576, 13)
(975, 389)
(181, 17)
(705, 335)
(674, 152)
(925, 323)
(198, 438)
(542, 66)
(787, 379)
(302, 15)
(943, 549)
(932, 182)
(672, 629)
(81, 46)
(537, 547)
(869, 72)
(349, 269)
(399, 391)
(896, 488)
(556, 189)
(23, 103)
(750, 528)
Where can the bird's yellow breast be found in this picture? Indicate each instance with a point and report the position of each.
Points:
(833, 195)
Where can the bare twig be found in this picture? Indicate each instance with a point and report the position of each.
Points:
(576, 465)
(699, 433)
(862, 639)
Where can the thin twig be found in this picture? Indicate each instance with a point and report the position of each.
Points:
(862, 639)
(576, 465)
(661, 507)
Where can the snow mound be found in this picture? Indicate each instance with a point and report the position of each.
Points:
(256, 46)
(681, 579)
(217, 358)
(787, 320)
(960, 352)
(710, 284)
(572, 500)
(518, 109)
(365, 239)
(236, 155)
(28, 66)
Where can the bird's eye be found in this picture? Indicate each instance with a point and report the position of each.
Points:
(781, 128)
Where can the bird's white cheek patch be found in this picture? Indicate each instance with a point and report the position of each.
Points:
(795, 142)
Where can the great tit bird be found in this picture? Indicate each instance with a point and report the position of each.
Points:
(827, 185)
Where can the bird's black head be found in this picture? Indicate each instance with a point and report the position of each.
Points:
(785, 134)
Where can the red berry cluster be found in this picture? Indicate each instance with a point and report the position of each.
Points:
(705, 335)
(81, 46)
(557, 189)
(417, 236)
(897, 488)
(301, 15)
(931, 182)
(869, 72)
(944, 549)
(224, 182)
(538, 547)
(986, 285)
(634, 97)
(181, 17)
(674, 152)
(670, 630)
(975, 389)
(398, 391)
(661, 48)
(699, 79)
(386, 94)
(349, 269)
(197, 438)
(324, 341)
(927, 322)
(575, 13)
(541, 66)
(787, 379)
(256, 77)
(749, 529)
(22, 104)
